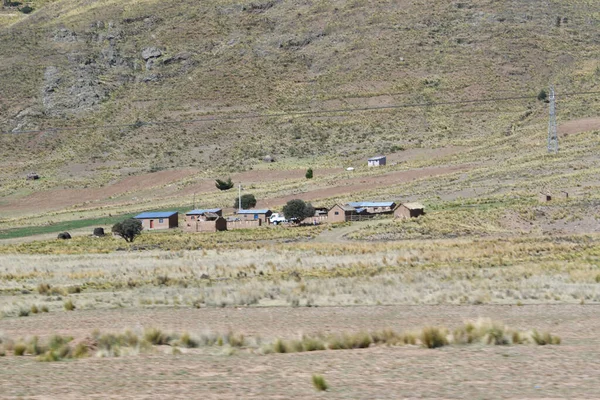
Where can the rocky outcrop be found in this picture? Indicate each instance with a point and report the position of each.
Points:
(150, 54)
(64, 35)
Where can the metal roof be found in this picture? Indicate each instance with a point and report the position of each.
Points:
(157, 214)
(413, 206)
(253, 211)
(202, 212)
(376, 158)
(360, 204)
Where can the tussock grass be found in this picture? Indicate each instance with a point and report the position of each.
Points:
(433, 337)
(545, 338)
(69, 305)
(319, 383)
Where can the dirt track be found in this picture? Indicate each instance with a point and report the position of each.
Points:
(571, 370)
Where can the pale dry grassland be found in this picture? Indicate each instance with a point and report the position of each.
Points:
(459, 271)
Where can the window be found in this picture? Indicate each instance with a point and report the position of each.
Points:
(337, 213)
(160, 221)
(255, 216)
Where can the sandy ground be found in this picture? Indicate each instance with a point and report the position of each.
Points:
(579, 125)
(571, 370)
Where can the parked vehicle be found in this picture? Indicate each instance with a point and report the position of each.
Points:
(277, 219)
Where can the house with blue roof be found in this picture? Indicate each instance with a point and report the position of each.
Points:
(153, 220)
(373, 207)
(255, 215)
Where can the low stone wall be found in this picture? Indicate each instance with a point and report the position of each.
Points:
(232, 225)
(315, 220)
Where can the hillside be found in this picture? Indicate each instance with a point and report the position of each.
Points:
(148, 86)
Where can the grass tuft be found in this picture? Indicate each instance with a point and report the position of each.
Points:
(68, 305)
(319, 383)
(432, 338)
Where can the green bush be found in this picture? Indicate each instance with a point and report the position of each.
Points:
(309, 173)
(248, 201)
(224, 185)
(297, 210)
(128, 229)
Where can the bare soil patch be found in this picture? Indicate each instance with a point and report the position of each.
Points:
(579, 125)
(494, 372)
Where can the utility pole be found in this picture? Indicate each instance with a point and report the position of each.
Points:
(194, 200)
(552, 129)
(239, 197)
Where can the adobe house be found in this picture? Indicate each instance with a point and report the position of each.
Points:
(545, 197)
(254, 215)
(202, 215)
(213, 223)
(371, 207)
(409, 210)
(378, 161)
(340, 213)
(563, 194)
(159, 220)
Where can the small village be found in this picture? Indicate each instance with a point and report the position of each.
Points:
(213, 220)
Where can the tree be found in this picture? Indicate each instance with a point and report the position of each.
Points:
(297, 210)
(309, 173)
(248, 201)
(542, 95)
(128, 229)
(224, 185)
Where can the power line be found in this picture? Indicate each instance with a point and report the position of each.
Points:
(139, 124)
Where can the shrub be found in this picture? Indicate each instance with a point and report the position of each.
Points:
(544, 338)
(319, 383)
(26, 9)
(186, 341)
(128, 229)
(298, 210)
(64, 235)
(433, 338)
(49, 356)
(542, 95)
(44, 309)
(23, 312)
(279, 346)
(34, 309)
(248, 201)
(309, 173)
(80, 351)
(20, 349)
(313, 344)
(43, 288)
(156, 337)
(98, 232)
(224, 185)
(68, 305)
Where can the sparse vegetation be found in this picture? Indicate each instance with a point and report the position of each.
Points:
(69, 305)
(319, 383)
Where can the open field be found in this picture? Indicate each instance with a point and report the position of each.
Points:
(569, 370)
(136, 105)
